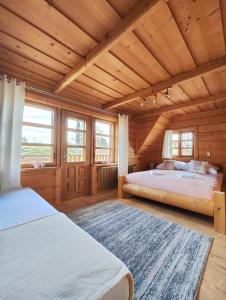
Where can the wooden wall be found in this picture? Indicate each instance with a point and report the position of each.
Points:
(211, 133)
(211, 136)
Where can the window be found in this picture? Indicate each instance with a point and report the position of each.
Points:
(183, 143)
(37, 135)
(76, 140)
(104, 141)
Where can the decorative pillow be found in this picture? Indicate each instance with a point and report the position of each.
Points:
(197, 166)
(181, 165)
(212, 169)
(160, 166)
(166, 165)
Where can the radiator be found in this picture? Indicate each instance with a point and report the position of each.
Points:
(108, 178)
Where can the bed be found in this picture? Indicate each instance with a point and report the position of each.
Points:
(45, 255)
(195, 192)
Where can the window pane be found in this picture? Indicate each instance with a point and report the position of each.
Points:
(31, 154)
(102, 127)
(175, 151)
(37, 115)
(175, 136)
(36, 135)
(76, 154)
(186, 152)
(175, 144)
(76, 138)
(103, 141)
(187, 136)
(186, 144)
(103, 155)
(76, 124)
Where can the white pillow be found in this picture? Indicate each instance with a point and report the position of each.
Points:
(197, 166)
(166, 165)
(212, 169)
(181, 165)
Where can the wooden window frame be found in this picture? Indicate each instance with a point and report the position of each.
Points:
(53, 127)
(112, 139)
(194, 150)
(85, 131)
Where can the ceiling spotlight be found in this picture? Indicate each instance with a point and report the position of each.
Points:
(155, 99)
(168, 92)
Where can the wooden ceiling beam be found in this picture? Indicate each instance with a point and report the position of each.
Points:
(128, 24)
(161, 86)
(172, 108)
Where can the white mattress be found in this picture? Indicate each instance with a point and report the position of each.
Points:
(52, 258)
(44, 255)
(22, 206)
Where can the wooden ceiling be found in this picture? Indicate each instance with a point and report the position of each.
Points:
(108, 52)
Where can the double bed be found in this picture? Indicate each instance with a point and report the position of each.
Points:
(44, 255)
(195, 192)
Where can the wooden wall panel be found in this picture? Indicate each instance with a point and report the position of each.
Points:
(211, 137)
(43, 181)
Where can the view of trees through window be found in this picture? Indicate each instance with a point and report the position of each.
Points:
(103, 141)
(183, 143)
(76, 140)
(37, 135)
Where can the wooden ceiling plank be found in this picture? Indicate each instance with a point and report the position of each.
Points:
(196, 72)
(126, 25)
(200, 23)
(132, 52)
(24, 63)
(98, 85)
(18, 28)
(223, 18)
(42, 16)
(109, 80)
(189, 104)
(21, 48)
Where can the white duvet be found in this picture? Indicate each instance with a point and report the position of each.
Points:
(52, 258)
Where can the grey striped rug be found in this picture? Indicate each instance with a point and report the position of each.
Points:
(165, 259)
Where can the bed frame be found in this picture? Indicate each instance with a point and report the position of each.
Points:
(215, 208)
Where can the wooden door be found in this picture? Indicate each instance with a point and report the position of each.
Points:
(75, 155)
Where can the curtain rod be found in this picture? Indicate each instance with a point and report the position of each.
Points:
(65, 99)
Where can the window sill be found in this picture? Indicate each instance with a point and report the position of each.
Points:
(104, 164)
(33, 170)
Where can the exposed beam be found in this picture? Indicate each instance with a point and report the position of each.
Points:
(172, 108)
(161, 86)
(129, 23)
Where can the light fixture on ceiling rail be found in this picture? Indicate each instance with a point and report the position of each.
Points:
(168, 92)
(145, 100)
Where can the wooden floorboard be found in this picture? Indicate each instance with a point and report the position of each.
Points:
(213, 285)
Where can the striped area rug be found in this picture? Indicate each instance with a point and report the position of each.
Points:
(165, 259)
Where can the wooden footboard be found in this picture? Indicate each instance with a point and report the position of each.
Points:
(215, 208)
(219, 212)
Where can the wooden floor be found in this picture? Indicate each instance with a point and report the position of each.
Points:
(213, 285)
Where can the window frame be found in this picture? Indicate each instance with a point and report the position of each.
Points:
(180, 132)
(53, 127)
(85, 146)
(111, 136)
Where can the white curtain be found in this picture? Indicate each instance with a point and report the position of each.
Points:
(167, 145)
(123, 149)
(12, 94)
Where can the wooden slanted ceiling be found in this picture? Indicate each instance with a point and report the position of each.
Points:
(111, 56)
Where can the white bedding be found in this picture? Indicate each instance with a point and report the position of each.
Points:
(52, 258)
(49, 257)
(22, 206)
